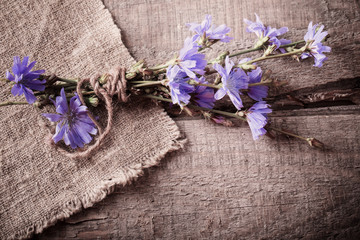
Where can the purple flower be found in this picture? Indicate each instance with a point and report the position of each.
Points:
(25, 80)
(179, 88)
(257, 118)
(316, 48)
(190, 60)
(255, 92)
(232, 82)
(74, 124)
(205, 29)
(265, 34)
(283, 42)
(204, 96)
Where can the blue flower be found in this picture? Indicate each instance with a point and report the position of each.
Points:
(74, 124)
(204, 96)
(260, 92)
(283, 42)
(232, 82)
(25, 80)
(255, 92)
(265, 34)
(190, 60)
(205, 29)
(316, 48)
(257, 118)
(179, 88)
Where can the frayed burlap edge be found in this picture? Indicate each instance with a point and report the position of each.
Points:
(124, 176)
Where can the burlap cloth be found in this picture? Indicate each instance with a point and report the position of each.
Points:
(38, 185)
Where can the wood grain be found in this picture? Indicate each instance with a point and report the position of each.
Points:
(224, 185)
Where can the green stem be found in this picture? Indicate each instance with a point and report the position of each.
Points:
(4, 80)
(8, 103)
(191, 82)
(245, 51)
(259, 83)
(67, 80)
(149, 83)
(292, 44)
(228, 114)
(157, 98)
(160, 67)
(301, 50)
(197, 107)
(259, 48)
(138, 82)
(218, 86)
(63, 85)
(287, 133)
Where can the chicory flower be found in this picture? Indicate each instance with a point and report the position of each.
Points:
(179, 88)
(255, 92)
(315, 36)
(204, 96)
(74, 124)
(25, 79)
(190, 60)
(232, 81)
(265, 33)
(206, 31)
(260, 92)
(257, 118)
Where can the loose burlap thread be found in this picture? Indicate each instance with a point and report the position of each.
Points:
(40, 186)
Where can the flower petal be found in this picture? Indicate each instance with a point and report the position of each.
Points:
(16, 90)
(220, 94)
(235, 99)
(61, 103)
(83, 134)
(52, 116)
(29, 95)
(60, 130)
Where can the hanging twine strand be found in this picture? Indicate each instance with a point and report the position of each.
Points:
(115, 85)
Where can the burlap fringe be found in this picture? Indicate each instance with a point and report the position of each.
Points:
(125, 176)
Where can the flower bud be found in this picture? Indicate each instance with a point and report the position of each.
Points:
(221, 58)
(37, 104)
(241, 113)
(130, 75)
(315, 143)
(269, 50)
(134, 70)
(93, 101)
(261, 42)
(222, 121)
(248, 67)
(103, 78)
(207, 115)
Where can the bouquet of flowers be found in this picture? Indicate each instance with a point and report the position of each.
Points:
(189, 81)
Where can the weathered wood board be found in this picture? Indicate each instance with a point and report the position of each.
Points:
(224, 185)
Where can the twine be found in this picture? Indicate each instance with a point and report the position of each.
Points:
(115, 85)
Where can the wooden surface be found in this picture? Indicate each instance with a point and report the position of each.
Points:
(223, 185)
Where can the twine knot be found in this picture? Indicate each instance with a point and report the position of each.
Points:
(114, 84)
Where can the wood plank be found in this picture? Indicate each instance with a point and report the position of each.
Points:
(225, 185)
(154, 30)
